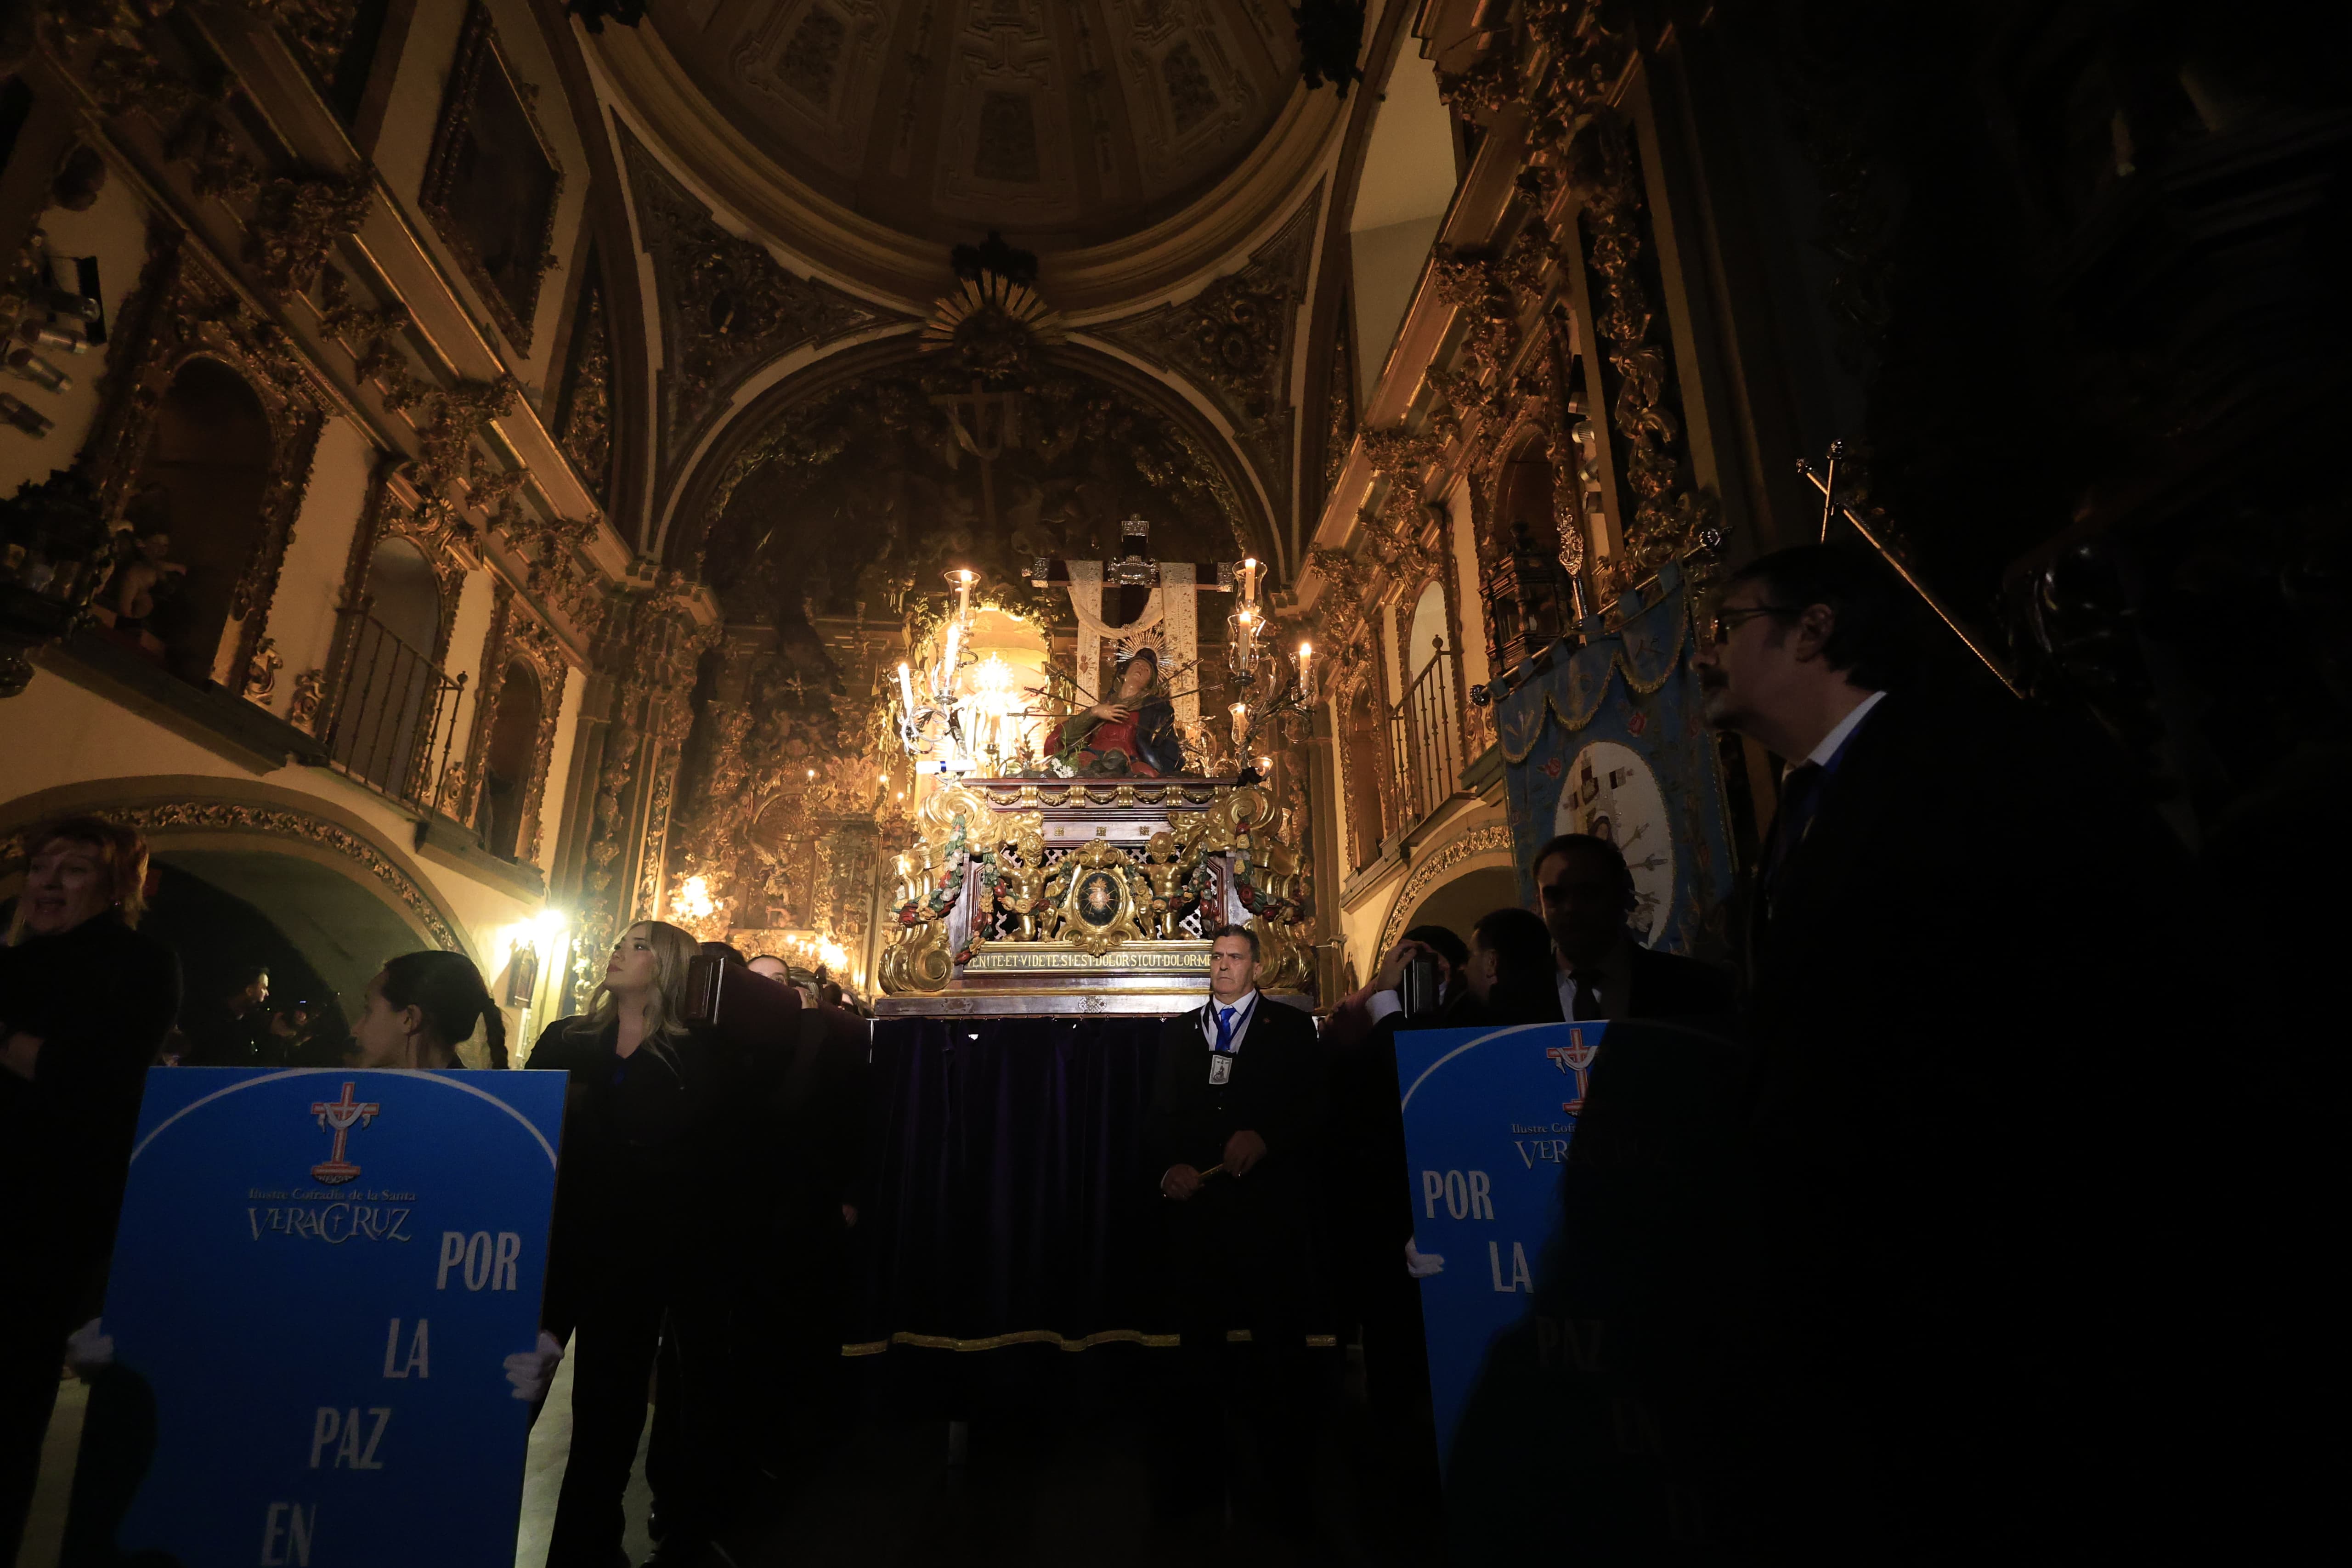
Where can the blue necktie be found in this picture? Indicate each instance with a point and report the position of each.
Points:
(1226, 1030)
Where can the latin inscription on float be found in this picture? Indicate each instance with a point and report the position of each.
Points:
(1120, 961)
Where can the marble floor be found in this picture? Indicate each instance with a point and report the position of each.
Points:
(1036, 1471)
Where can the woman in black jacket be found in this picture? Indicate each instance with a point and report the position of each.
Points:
(640, 1097)
(85, 1001)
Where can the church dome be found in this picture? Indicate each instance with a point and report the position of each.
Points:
(1066, 123)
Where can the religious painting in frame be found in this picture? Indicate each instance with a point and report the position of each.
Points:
(491, 182)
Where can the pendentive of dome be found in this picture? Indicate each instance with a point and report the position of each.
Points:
(592, 13)
(728, 305)
(1235, 340)
(1330, 41)
(993, 323)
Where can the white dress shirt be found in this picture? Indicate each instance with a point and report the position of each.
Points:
(1612, 984)
(1244, 1009)
(1847, 726)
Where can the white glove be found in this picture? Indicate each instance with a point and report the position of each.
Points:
(87, 1348)
(531, 1371)
(1422, 1265)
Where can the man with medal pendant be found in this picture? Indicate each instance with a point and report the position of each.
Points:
(1235, 1113)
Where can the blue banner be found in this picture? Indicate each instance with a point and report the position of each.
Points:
(1488, 1114)
(316, 1281)
(1610, 740)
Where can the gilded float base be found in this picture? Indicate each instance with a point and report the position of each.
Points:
(1054, 979)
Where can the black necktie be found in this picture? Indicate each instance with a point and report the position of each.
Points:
(1800, 795)
(1587, 1000)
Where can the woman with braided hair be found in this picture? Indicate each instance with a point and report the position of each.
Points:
(421, 1007)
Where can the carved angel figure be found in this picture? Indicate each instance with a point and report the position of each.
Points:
(1021, 889)
(1160, 893)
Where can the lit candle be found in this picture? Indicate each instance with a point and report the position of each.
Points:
(1306, 671)
(906, 690)
(1249, 580)
(963, 594)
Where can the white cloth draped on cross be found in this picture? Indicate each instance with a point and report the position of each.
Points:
(1172, 602)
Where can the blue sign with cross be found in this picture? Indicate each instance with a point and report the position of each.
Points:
(316, 1280)
(1488, 1114)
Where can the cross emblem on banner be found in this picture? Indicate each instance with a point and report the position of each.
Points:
(1576, 1058)
(339, 1116)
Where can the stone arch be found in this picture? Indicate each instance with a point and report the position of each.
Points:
(348, 891)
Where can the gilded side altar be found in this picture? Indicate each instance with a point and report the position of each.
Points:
(1088, 896)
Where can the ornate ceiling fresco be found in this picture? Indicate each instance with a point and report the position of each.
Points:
(872, 489)
(1062, 121)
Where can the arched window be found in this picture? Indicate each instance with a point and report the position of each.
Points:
(1524, 499)
(404, 593)
(1423, 732)
(1528, 596)
(395, 700)
(200, 486)
(508, 762)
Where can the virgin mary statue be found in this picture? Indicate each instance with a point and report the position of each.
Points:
(1129, 734)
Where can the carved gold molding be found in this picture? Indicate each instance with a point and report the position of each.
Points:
(1492, 837)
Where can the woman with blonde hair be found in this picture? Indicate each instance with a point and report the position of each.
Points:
(85, 1001)
(641, 1096)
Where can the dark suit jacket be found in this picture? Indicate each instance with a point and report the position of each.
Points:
(812, 1096)
(1241, 1247)
(1276, 1092)
(1949, 1011)
(1668, 985)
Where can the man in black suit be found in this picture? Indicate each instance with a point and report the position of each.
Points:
(1588, 893)
(1953, 953)
(1236, 1112)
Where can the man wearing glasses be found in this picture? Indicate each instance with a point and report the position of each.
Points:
(1952, 948)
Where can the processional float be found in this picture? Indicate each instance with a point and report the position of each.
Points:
(1052, 879)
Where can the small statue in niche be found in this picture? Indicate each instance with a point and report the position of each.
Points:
(144, 573)
(1021, 889)
(1160, 893)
